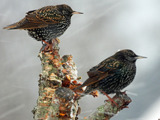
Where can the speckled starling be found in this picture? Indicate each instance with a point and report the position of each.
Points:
(46, 23)
(113, 74)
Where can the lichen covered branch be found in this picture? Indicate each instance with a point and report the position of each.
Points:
(109, 109)
(56, 99)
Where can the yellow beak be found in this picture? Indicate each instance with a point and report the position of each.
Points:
(75, 12)
(140, 57)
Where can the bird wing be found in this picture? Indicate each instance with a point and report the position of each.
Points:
(106, 68)
(38, 18)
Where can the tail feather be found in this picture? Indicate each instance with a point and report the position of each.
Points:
(86, 83)
(16, 25)
(12, 26)
(77, 88)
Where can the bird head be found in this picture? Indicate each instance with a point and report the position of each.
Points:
(127, 55)
(67, 10)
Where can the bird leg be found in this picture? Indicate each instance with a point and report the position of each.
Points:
(110, 99)
(50, 44)
(46, 47)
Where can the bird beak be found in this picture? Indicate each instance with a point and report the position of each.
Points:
(75, 12)
(140, 57)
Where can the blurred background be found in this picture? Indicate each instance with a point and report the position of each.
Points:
(105, 27)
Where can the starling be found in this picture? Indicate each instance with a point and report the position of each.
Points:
(46, 23)
(113, 74)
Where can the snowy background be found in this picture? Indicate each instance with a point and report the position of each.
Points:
(105, 27)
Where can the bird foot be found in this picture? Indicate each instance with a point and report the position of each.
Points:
(94, 93)
(110, 99)
(46, 47)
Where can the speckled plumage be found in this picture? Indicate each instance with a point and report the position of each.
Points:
(46, 23)
(113, 74)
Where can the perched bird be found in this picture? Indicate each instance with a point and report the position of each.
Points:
(113, 74)
(46, 23)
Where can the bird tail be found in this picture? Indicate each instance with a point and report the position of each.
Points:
(16, 25)
(77, 88)
(86, 83)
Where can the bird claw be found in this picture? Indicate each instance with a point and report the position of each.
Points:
(46, 46)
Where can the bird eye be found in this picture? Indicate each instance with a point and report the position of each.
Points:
(134, 55)
(64, 12)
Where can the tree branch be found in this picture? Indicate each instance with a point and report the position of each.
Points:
(109, 109)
